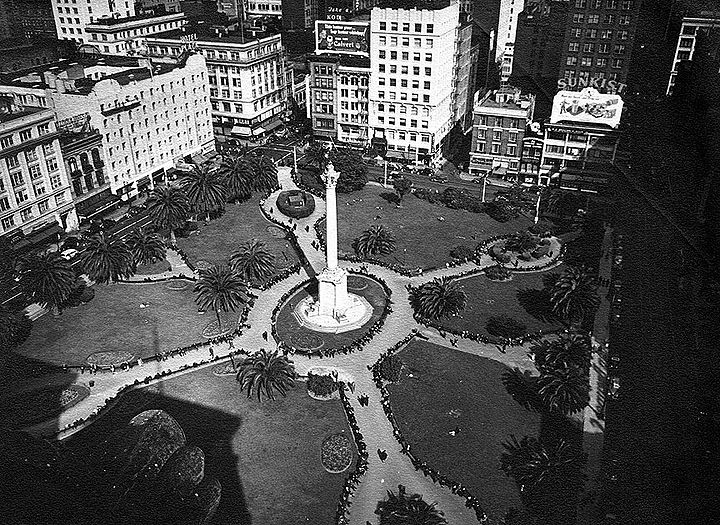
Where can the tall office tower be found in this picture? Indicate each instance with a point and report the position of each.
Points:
(692, 25)
(71, 18)
(506, 33)
(159, 6)
(538, 50)
(414, 81)
(37, 20)
(598, 45)
(8, 16)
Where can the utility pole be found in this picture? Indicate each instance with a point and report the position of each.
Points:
(483, 189)
(537, 208)
(295, 158)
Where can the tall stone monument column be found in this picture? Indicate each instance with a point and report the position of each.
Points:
(332, 281)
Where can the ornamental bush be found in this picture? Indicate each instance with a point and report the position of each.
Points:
(321, 385)
(497, 273)
(390, 368)
(462, 252)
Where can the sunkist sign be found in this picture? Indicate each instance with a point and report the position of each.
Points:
(588, 106)
(601, 84)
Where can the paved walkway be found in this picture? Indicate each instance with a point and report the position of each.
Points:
(374, 425)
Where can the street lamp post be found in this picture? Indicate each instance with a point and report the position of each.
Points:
(295, 158)
(483, 188)
(537, 208)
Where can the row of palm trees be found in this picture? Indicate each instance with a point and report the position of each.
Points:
(206, 189)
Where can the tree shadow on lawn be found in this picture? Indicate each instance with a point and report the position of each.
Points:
(537, 304)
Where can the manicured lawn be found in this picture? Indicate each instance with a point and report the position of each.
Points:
(453, 390)
(422, 239)
(266, 455)
(291, 332)
(520, 298)
(217, 239)
(113, 320)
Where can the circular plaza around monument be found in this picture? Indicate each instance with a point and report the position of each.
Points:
(300, 334)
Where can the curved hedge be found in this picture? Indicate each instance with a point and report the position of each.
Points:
(296, 212)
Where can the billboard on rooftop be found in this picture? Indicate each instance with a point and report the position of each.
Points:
(342, 37)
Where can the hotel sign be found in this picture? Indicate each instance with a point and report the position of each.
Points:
(588, 106)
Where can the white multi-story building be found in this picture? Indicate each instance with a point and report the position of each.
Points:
(34, 187)
(412, 88)
(247, 78)
(686, 42)
(150, 115)
(505, 40)
(72, 18)
(126, 36)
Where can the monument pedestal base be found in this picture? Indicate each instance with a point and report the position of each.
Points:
(332, 292)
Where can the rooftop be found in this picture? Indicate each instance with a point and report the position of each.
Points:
(129, 19)
(212, 33)
(424, 5)
(18, 112)
(343, 60)
(134, 69)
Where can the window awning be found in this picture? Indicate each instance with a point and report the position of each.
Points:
(272, 125)
(258, 131)
(241, 130)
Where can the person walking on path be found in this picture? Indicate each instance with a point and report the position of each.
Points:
(264, 335)
(382, 455)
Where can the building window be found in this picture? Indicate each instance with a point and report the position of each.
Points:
(617, 63)
(574, 47)
(26, 214)
(21, 196)
(586, 62)
(4, 204)
(495, 148)
(593, 19)
(59, 199)
(12, 161)
(8, 222)
(578, 18)
(571, 61)
(511, 151)
(6, 142)
(588, 47)
(497, 135)
(17, 179)
(25, 135)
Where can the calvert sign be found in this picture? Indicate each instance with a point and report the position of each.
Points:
(342, 37)
(587, 106)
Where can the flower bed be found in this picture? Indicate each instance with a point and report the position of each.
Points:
(321, 386)
(296, 212)
(336, 454)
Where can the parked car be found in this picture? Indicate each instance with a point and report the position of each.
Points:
(68, 254)
(614, 388)
(442, 179)
(426, 172)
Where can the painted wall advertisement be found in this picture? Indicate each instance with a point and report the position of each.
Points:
(588, 106)
(342, 37)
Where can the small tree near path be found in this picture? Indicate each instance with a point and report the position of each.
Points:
(402, 187)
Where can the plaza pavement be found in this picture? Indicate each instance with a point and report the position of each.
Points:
(374, 425)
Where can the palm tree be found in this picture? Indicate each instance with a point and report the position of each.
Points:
(574, 295)
(401, 509)
(145, 247)
(266, 179)
(530, 463)
(563, 390)
(205, 189)
(567, 351)
(237, 175)
(14, 327)
(376, 240)
(316, 155)
(106, 259)
(441, 297)
(266, 373)
(46, 279)
(168, 208)
(220, 288)
(252, 261)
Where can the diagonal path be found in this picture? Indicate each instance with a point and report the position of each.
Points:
(374, 425)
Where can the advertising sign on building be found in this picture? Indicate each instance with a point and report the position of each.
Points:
(338, 13)
(588, 106)
(342, 37)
